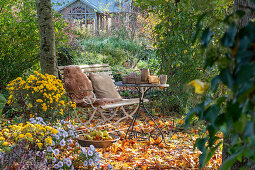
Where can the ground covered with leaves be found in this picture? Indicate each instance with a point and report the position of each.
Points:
(177, 154)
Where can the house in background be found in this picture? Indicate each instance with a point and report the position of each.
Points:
(93, 14)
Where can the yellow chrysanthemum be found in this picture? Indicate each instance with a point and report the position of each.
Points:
(21, 136)
(5, 144)
(48, 140)
(61, 111)
(5, 130)
(28, 135)
(39, 145)
(39, 100)
(54, 131)
(2, 138)
(44, 107)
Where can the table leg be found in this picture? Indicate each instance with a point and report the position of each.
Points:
(134, 133)
(156, 126)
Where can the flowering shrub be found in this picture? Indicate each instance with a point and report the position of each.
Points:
(21, 157)
(76, 156)
(39, 94)
(36, 136)
(45, 146)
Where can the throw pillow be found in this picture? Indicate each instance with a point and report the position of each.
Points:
(77, 83)
(104, 86)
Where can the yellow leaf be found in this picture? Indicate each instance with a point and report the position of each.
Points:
(174, 137)
(199, 86)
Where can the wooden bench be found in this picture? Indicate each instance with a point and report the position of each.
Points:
(106, 115)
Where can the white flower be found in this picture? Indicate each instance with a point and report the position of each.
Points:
(69, 163)
(40, 119)
(62, 142)
(72, 168)
(38, 153)
(1, 155)
(60, 164)
(49, 149)
(56, 151)
(92, 148)
(71, 133)
(90, 153)
(65, 161)
(72, 127)
(56, 166)
(32, 120)
(65, 134)
(85, 163)
(70, 141)
(84, 151)
(90, 161)
(56, 136)
(109, 166)
(54, 160)
(62, 122)
(77, 144)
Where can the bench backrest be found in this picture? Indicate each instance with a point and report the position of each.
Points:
(93, 68)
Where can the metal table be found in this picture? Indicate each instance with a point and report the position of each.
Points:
(141, 135)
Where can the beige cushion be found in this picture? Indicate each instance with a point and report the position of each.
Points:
(103, 86)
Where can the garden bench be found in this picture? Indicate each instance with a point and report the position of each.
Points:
(106, 111)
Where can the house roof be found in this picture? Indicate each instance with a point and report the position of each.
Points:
(99, 5)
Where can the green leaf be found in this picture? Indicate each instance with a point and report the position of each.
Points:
(201, 144)
(211, 153)
(206, 37)
(226, 78)
(215, 81)
(2, 99)
(240, 13)
(233, 110)
(227, 164)
(211, 113)
(249, 129)
(221, 100)
(245, 73)
(198, 27)
(191, 114)
(228, 39)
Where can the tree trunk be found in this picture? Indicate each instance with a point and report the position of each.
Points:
(48, 58)
(247, 7)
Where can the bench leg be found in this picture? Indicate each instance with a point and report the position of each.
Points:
(107, 119)
(85, 124)
(127, 115)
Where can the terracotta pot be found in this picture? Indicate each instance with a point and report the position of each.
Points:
(125, 79)
(145, 74)
(163, 79)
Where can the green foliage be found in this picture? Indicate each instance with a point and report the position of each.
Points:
(233, 113)
(19, 40)
(2, 102)
(116, 51)
(177, 54)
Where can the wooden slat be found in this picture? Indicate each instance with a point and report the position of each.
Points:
(99, 69)
(86, 66)
(95, 68)
(124, 102)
